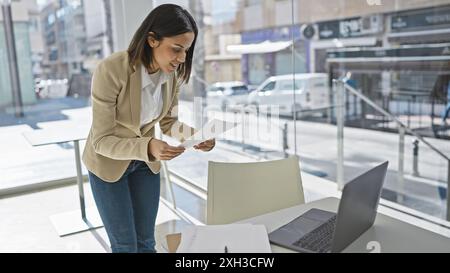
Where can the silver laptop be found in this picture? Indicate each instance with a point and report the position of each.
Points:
(323, 231)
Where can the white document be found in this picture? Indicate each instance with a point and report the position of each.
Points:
(238, 238)
(212, 129)
(188, 143)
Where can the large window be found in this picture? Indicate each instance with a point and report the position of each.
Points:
(393, 60)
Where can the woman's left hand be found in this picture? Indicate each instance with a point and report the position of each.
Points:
(206, 146)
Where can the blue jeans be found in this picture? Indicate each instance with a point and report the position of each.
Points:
(128, 208)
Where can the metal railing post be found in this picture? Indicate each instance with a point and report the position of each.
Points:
(80, 179)
(13, 64)
(448, 190)
(285, 140)
(243, 129)
(340, 115)
(416, 157)
(401, 161)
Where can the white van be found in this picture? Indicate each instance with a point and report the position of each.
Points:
(311, 91)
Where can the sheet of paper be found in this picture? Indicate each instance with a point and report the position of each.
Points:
(191, 143)
(238, 238)
(212, 129)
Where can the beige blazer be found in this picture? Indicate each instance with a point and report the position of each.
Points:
(115, 137)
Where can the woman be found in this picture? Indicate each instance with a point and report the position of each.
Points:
(441, 93)
(447, 107)
(132, 91)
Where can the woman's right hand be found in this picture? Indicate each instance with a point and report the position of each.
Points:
(160, 150)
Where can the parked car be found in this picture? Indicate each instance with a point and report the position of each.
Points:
(311, 90)
(51, 89)
(227, 94)
(38, 86)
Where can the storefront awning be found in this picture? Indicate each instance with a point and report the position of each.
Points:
(436, 52)
(264, 47)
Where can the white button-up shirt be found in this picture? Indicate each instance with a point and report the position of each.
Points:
(151, 98)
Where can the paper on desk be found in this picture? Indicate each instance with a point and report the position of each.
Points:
(212, 129)
(239, 238)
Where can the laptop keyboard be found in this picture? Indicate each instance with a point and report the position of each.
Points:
(319, 240)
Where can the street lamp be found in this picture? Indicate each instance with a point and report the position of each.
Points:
(12, 58)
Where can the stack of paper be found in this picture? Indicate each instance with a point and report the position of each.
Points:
(237, 238)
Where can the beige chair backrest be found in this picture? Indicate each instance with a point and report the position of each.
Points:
(242, 190)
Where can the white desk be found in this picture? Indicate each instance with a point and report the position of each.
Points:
(68, 223)
(390, 234)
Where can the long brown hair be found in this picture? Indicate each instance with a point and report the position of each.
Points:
(166, 20)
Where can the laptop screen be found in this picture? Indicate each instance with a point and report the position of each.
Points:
(358, 207)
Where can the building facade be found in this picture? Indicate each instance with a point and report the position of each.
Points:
(65, 38)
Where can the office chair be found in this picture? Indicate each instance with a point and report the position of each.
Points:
(242, 190)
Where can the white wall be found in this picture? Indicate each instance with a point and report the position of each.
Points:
(127, 16)
(94, 14)
(253, 17)
(282, 15)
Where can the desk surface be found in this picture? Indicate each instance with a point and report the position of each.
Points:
(392, 235)
(56, 135)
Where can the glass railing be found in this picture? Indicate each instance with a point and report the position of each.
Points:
(419, 172)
